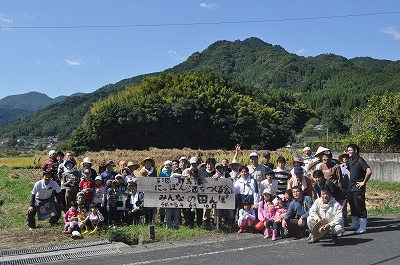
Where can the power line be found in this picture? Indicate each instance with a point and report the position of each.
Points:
(202, 23)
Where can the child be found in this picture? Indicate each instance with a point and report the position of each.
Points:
(86, 185)
(280, 211)
(70, 218)
(246, 217)
(111, 203)
(94, 221)
(82, 216)
(266, 212)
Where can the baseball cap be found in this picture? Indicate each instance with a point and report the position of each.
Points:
(298, 170)
(52, 152)
(253, 154)
(193, 160)
(266, 154)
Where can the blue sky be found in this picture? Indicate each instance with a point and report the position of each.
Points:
(63, 47)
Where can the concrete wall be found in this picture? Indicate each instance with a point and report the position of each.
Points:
(385, 166)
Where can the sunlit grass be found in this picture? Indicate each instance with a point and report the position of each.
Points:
(21, 162)
(386, 209)
(374, 184)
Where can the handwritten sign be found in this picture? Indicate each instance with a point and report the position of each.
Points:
(187, 193)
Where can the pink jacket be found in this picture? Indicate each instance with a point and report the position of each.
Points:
(278, 212)
(70, 214)
(266, 211)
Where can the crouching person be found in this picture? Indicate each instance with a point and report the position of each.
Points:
(326, 207)
(295, 219)
(135, 206)
(42, 201)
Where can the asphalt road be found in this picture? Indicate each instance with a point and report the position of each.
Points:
(380, 245)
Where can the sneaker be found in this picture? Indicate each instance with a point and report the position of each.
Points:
(31, 228)
(312, 240)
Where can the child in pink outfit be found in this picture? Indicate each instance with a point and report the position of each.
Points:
(266, 212)
(71, 218)
(280, 211)
(246, 218)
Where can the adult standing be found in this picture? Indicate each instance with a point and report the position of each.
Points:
(257, 171)
(148, 164)
(87, 164)
(330, 169)
(70, 179)
(246, 188)
(344, 161)
(307, 157)
(109, 173)
(42, 195)
(47, 165)
(301, 181)
(359, 172)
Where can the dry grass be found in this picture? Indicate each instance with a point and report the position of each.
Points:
(160, 155)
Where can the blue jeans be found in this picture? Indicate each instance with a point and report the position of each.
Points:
(169, 212)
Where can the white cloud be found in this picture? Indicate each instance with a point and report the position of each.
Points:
(28, 16)
(301, 51)
(210, 5)
(4, 21)
(175, 55)
(74, 63)
(5, 18)
(392, 31)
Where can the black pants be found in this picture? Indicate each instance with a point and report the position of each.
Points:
(189, 217)
(294, 228)
(357, 204)
(133, 217)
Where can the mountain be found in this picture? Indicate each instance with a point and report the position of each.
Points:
(31, 101)
(330, 84)
(17, 106)
(61, 118)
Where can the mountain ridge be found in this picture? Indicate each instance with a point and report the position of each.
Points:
(252, 62)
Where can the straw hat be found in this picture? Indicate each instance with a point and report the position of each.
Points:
(143, 172)
(234, 161)
(320, 150)
(296, 159)
(148, 159)
(317, 230)
(343, 155)
(135, 165)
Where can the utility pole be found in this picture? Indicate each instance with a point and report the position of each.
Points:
(327, 134)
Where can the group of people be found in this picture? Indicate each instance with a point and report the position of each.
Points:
(273, 200)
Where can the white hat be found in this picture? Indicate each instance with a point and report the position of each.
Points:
(307, 148)
(253, 154)
(87, 160)
(193, 160)
(52, 152)
(183, 158)
(168, 162)
(99, 178)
